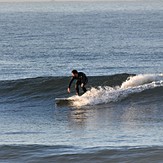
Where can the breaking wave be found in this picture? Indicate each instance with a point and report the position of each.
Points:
(107, 94)
(101, 89)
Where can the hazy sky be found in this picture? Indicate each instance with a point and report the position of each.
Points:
(60, 0)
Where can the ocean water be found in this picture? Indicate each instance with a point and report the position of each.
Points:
(119, 45)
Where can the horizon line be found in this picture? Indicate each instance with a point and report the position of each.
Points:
(37, 1)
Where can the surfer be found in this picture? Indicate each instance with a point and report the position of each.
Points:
(81, 80)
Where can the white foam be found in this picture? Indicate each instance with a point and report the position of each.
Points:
(140, 79)
(108, 94)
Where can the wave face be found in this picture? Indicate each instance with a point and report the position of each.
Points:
(101, 89)
(51, 87)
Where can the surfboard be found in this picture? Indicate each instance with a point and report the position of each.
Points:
(63, 101)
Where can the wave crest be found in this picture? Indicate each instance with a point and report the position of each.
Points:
(141, 79)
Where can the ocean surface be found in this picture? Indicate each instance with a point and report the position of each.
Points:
(119, 45)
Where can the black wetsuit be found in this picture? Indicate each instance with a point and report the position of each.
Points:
(81, 80)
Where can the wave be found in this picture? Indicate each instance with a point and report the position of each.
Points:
(101, 89)
(59, 153)
(106, 94)
(32, 88)
(51, 87)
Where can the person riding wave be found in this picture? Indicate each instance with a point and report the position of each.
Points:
(81, 80)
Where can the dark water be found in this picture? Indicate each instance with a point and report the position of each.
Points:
(39, 153)
(118, 45)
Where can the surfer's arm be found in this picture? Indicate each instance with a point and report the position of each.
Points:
(68, 90)
(72, 79)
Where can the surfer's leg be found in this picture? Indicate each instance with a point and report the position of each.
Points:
(83, 87)
(77, 87)
(83, 83)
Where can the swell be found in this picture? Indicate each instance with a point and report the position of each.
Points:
(41, 153)
(102, 89)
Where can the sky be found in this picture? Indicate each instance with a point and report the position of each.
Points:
(61, 0)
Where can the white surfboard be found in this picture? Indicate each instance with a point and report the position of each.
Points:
(63, 101)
